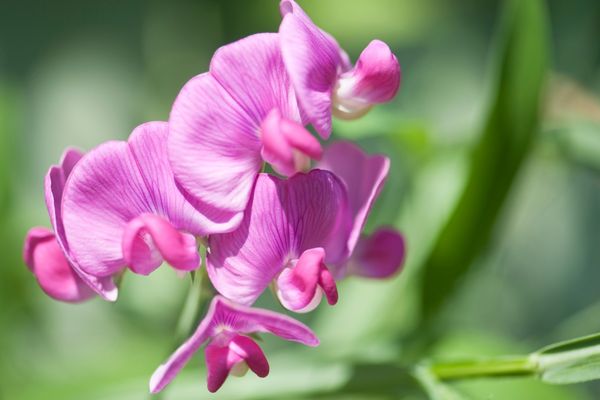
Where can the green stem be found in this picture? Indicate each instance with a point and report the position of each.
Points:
(503, 366)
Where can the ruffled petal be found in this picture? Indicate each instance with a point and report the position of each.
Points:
(363, 176)
(378, 256)
(284, 218)
(226, 316)
(54, 184)
(252, 71)
(313, 60)
(287, 145)
(149, 239)
(214, 150)
(56, 277)
(374, 79)
(114, 184)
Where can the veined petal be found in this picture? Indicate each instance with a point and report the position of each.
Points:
(284, 218)
(56, 277)
(252, 71)
(379, 255)
(114, 184)
(363, 176)
(214, 150)
(54, 184)
(150, 239)
(374, 79)
(226, 316)
(313, 60)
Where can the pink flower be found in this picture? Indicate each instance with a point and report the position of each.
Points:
(281, 241)
(323, 78)
(230, 350)
(381, 254)
(121, 207)
(225, 123)
(47, 253)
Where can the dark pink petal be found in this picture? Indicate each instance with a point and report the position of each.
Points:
(237, 351)
(374, 79)
(283, 219)
(363, 176)
(252, 71)
(379, 255)
(225, 316)
(113, 185)
(56, 277)
(287, 145)
(313, 60)
(150, 239)
(214, 150)
(54, 184)
(299, 286)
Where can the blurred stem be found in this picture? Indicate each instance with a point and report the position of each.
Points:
(503, 366)
(198, 294)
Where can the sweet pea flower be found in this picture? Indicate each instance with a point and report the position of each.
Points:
(227, 122)
(377, 256)
(121, 207)
(231, 350)
(47, 253)
(281, 242)
(322, 76)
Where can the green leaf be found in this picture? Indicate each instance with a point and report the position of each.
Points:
(504, 144)
(572, 361)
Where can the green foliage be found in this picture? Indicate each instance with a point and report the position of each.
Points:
(572, 361)
(504, 144)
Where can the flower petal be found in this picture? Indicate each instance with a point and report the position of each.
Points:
(224, 314)
(252, 354)
(54, 184)
(252, 71)
(374, 79)
(313, 60)
(287, 145)
(56, 277)
(284, 218)
(363, 176)
(214, 150)
(114, 184)
(379, 255)
(150, 239)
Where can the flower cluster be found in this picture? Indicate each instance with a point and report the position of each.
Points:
(196, 180)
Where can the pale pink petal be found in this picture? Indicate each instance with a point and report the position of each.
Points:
(114, 184)
(313, 60)
(374, 79)
(379, 255)
(214, 150)
(363, 176)
(149, 240)
(284, 218)
(287, 145)
(56, 277)
(252, 71)
(54, 184)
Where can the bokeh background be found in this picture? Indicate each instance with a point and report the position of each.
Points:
(510, 266)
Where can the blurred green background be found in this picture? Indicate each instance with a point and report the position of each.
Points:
(495, 182)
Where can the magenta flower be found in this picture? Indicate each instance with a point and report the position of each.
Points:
(281, 240)
(121, 207)
(323, 78)
(381, 254)
(47, 253)
(225, 123)
(230, 350)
